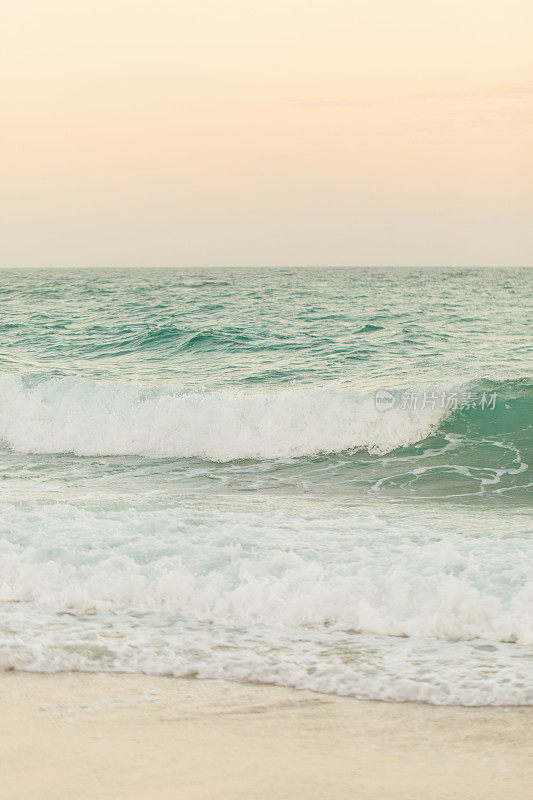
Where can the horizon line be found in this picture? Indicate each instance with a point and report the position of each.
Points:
(266, 266)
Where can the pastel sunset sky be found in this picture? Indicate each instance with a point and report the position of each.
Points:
(255, 132)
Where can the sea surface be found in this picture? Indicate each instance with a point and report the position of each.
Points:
(309, 478)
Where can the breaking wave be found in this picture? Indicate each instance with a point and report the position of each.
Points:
(352, 604)
(90, 417)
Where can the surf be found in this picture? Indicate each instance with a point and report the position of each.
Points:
(47, 414)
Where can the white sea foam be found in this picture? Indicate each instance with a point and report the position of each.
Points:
(89, 417)
(352, 573)
(281, 596)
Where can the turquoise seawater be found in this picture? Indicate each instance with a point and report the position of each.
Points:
(313, 478)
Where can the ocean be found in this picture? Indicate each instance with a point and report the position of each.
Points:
(315, 478)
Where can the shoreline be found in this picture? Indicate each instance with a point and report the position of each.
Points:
(100, 736)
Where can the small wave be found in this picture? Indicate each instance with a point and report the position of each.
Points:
(200, 284)
(369, 328)
(210, 340)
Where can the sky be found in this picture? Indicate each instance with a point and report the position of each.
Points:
(266, 132)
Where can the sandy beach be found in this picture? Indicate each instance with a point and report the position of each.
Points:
(93, 736)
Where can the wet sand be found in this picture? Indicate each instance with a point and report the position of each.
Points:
(117, 737)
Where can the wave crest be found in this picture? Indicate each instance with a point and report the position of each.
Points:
(87, 417)
(98, 418)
